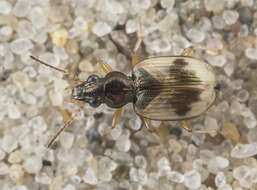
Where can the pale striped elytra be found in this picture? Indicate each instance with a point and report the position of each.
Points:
(173, 88)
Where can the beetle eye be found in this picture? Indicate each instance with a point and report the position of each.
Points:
(92, 78)
(94, 103)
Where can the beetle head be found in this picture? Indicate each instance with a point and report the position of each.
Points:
(89, 91)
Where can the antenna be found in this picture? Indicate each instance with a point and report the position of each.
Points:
(69, 122)
(72, 76)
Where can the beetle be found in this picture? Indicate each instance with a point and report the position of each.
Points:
(160, 88)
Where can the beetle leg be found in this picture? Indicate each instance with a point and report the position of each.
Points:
(107, 68)
(188, 128)
(139, 36)
(116, 117)
(115, 120)
(138, 43)
(185, 126)
(68, 123)
(189, 52)
(149, 126)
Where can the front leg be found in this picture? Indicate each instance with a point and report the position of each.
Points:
(115, 120)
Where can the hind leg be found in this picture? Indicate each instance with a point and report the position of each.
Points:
(188, 128)
(162, 142)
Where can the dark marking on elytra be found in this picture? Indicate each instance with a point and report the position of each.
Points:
(180, 63)
(182, 76)
(147, 88)
(183, 99)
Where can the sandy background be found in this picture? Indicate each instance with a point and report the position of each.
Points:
(74, 35)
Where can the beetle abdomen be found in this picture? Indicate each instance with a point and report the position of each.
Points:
(173, 88)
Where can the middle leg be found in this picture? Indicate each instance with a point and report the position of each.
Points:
(162, 142)
(140, 38)
(188, 52)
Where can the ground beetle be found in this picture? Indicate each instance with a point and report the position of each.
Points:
(160, 88)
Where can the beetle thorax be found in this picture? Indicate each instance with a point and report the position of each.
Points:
(118, 89)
